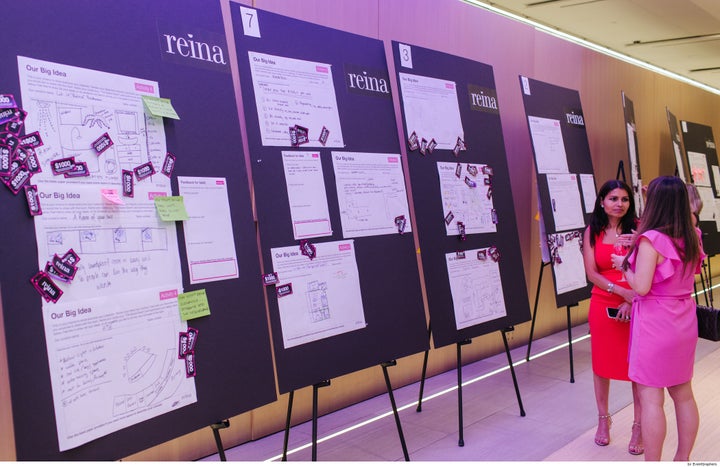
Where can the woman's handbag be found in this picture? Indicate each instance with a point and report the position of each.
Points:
(708, 324)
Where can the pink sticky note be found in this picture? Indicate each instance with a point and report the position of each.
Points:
(111, 194)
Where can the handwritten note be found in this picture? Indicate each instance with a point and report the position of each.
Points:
(160, 107)
(193, 305)
(171, 208)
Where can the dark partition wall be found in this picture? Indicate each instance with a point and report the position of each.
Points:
(702, 159)
(632, 171)
(139, 39)
(316, 99)
(565, 180)
(462, 196)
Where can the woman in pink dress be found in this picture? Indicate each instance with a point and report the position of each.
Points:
(661, 268)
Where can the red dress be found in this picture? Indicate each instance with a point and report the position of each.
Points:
(608, 337)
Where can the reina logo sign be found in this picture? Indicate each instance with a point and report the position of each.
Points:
(574, 117)
(483, 99)
(367, 81)
(196, 48)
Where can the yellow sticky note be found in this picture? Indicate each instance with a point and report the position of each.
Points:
(171, 208)
(193, 304)
(160, 107)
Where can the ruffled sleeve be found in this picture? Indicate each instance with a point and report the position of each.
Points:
(665, 247)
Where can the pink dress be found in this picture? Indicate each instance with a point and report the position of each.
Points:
(663, 328)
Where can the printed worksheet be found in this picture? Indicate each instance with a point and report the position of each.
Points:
(699, 168)
(565, 201)
(309, 212)
(431, 109)
(587, 182)
(679, 162)
(209, 240)
(73, 107)
(371, 193)
(476, 286)
(568, 264)
(708, 199)
(548, 144)
(290, 92)
(466, 197)
(114, 363)
(318, 297)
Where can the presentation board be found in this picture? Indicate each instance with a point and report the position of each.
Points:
(101, 362)
(565, 179)
(461, 191)
(702, 159)
(635, 180)
(335, 231)
(677, 144)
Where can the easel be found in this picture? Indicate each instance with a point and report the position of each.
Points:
(461, 440)
(569, 324)
(321, 384)
(216, 427)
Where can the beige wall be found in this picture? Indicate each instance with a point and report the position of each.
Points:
(511, 48)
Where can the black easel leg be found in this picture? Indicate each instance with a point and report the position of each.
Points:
(535, 307)
(316, 386)
(709, 280)
(461, 440)
(572, 371)
(394, 407)
(216, 427)
(424, 372)
(287, 425)
(512, 369)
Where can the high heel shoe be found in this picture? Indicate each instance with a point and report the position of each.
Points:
(602, 436)
(635, 447)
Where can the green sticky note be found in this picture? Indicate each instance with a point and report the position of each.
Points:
(171, 208)
(193, 304)
(160, 107)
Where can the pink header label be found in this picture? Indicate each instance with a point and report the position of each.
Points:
(167, 294)
(393, 160)
(344, 247)
(154, 194)
(219, 182)
(144, 88)
(450, 85)
(315, 155)
(321, 69)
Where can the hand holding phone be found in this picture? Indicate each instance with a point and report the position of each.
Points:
(612, 312)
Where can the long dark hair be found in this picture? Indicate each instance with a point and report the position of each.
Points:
(599, 219)
(668, 211)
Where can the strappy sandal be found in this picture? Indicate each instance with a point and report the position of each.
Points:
(600, 439)
(635, 447)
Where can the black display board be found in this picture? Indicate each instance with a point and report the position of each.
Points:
(234, 364)
(681, 168)
(395, 324)
(481, 146)
(633, 168)
(562, 105)
(699, 141)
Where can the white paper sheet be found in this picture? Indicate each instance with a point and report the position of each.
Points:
(699, 168)
(587, 182)
(209, 241)
(679, 162)
(463, 203)
(635, 181)
(305, 185)
(476, 288)
(431, 109)
(706, 194)
(565, 201)
(109, 367)
(716, 178)
(570, 272)
(371, 193)
(325, 299)
(292, 92)
(114, 363)
(716, 208)
(548, 144)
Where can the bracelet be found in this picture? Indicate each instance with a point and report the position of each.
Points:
(610, 287)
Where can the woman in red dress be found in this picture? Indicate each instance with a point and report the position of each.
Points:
(611, 227)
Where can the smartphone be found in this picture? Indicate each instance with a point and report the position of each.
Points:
(612, 312)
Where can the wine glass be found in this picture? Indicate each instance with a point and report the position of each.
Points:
(620, 249)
